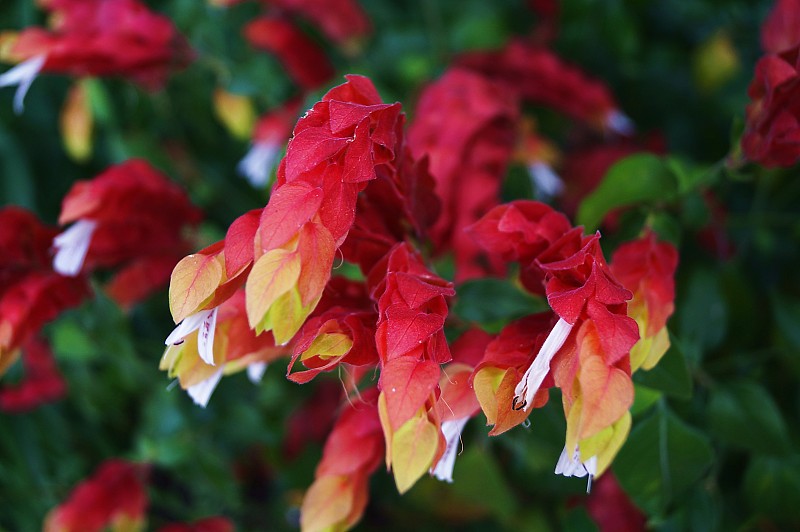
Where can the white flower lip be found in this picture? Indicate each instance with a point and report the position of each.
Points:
(537, 371)
(206, 322)
(546, 182)
(72, 246)
(201, 392)
(620, 123)
(255, 371)
(256, 166)
(22, 75)
(571, 466)
(452, 430)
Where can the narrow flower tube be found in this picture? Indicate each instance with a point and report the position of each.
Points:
(535, 374)
(22, 76)
(452, 430)
(71, 247)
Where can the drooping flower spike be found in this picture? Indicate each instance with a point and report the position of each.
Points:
(31, 292)
(95, 38)
(41, 383)
(466, 126)
(585, 353)
(114, 497)
(130, 218)
(540, 76)
(305, 62)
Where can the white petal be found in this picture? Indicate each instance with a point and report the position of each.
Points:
(546, 182)
(452, 430)
(255, 371)
(201, 392)
(571, 466)
(205, 337)
(22, 75)
(72, 246)
(189, 324)
(620, 123)
(535, 374)
(258, 163)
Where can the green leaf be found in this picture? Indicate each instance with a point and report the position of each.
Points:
(744, 415)
(494, 302)
(639, 178)
(772, 487)
(643, 399)
(661, 460)
(702, 314)
(671, 374)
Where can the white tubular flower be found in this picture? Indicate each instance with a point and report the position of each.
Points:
(255, 371)
(206, 322)
(620, 123)
(201, 392)
(535, 374)
(22, 76)
(545, 181)
(571, 466)
(71, 247)
(256, 166)
(452, 430)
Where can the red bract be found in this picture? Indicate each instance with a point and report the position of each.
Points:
(354, 450)
(101, 38)
(465, 125)
(333, 155)
(647, 267)
(115, 496)
(611, 509)
(130, 217)
(772, 133)
(781, 29)
(342, 21)
(207, 524)
(304, 61)
(41, 382)
(31, 293)
(540, 76)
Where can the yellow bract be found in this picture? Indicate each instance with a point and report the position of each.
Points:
(193, 282)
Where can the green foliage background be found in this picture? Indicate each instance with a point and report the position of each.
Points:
(715, 440)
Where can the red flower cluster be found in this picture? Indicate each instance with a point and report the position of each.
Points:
(115, 496)
(31, 292)
(97, 38)
(41, 383)
(772, 134)
(130, 217)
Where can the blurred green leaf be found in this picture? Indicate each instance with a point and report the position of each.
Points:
(702, 316)
(494, 302)
(641, 177)
(661, 460)
(643, 399)
(671, 374)
(772, 487)
(743, 414)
